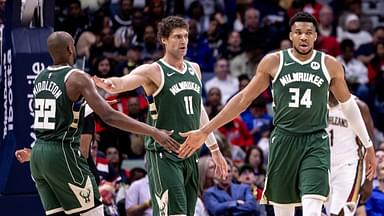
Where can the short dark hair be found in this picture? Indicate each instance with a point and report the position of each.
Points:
(347, 43)
(377, 28)
(303, 17)
(169, 23)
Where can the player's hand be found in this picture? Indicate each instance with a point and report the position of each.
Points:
(163, 137)
(194, 141)
(105, 84)
(365, 191)
(370, 163)
(221, 169)
(23, 155)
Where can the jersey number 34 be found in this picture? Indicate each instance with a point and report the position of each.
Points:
(298, 100)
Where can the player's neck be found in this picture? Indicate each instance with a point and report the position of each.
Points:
(177, 63)
(60, 62)
(300, 56)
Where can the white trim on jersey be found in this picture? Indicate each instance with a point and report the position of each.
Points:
(53, 211)
(161, 83)
(298, 60)
(280, 66)
(170, 66)
(325, 69)
(314, 196)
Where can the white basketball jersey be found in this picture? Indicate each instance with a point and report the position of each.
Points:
(342, 139)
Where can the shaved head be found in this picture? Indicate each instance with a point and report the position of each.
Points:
(61, 47)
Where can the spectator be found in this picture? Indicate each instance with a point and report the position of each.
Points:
(206, 173)
(138, 198)
(352, 31)
(246, 62)
(375, 204)
(258, 121)
(365, 52)
(198, 49)
(106, 47)
(233, 46)
(237, 133)
(131, 35)
(356, 73)
(150, 48)
(326, 22)
(355, 7)
(327, 41)
(104, 168)
(133, 60)
(206, 177)
(230, 198)
(213, 103)
(196, 13)
(252, 33)
(155, 12)
(107, 193)
(248, 177)
(223, 80)
(123, 16)
(255, 158)
(376, 66)
(102, 68)
(76, 21)
(113, 156)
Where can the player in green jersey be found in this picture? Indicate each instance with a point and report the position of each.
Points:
(61, 173)
(173, 87)
(299, 155)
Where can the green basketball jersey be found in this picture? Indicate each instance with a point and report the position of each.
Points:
(176, 105)
(57, 118)
(300, 93)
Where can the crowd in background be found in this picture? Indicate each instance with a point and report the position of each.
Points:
(227, 38)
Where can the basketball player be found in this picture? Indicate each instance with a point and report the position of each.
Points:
(299, 157)
(173, 87)
(347, 162)
(62, 176)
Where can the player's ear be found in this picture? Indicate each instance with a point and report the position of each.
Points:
(290, 36)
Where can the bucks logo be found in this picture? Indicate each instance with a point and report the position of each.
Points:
(84, 195)
(162, 202)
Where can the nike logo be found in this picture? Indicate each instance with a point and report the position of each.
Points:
(288, 63)
(170, 74)
(324, 136)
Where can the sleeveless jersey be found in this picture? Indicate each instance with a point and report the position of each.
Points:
(300, 93)
(176, 105)
(57, 118)
(344, 142)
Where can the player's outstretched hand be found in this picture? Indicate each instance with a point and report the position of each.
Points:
(105, 84)
(194, 141)
(370, 163)
(163, 137)
(221, 169)
(23, 155)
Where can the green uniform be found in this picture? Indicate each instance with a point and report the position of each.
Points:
(299, 156)
(176, 106)
(61, 173)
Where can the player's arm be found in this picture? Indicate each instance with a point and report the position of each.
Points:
(221, 167)
(235, 106)
(366, 188)
(131, 81)
(351, 111)
(81, 84)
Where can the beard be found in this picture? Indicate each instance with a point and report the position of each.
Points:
(303, 53)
